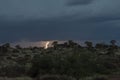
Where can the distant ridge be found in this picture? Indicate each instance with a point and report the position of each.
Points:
(36, 44)
(39, 43)
(43, 43)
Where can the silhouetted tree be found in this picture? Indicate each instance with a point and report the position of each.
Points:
(113, 42)
(101, 46)
(65, 44)
(72, 44)
(5, 47)
(55, 44)
(89, 44)
(18, 47)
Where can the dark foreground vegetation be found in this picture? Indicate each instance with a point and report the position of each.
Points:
(67, 61)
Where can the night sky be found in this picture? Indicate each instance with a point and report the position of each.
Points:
(36, 20)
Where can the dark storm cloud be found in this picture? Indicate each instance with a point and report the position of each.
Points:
(42, 30)
(78, 2)
(52, 19)
(60, 29)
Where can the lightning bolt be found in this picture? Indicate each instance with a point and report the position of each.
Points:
(47, 44)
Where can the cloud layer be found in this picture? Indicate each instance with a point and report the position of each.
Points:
(78, 2)
(54, 19)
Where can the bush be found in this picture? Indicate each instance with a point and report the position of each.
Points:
(96, 77)
(17, 78)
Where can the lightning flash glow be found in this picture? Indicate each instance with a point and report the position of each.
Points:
(47, 44)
